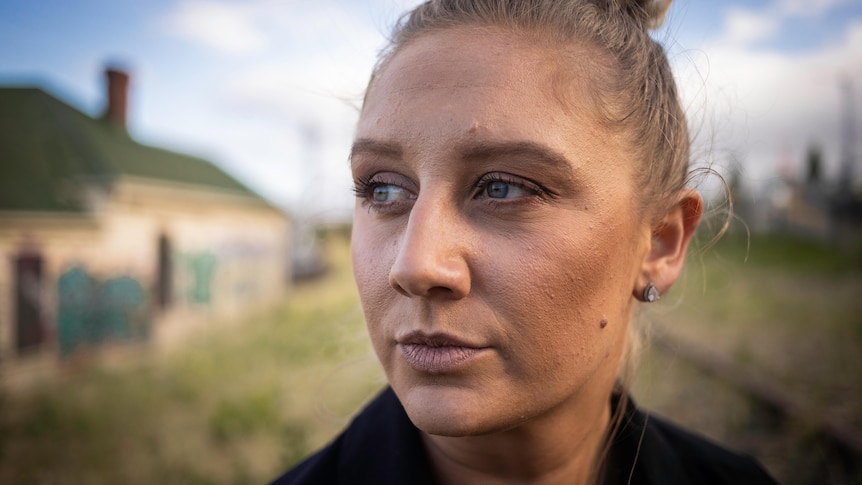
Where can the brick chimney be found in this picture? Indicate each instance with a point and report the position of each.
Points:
(118, 96)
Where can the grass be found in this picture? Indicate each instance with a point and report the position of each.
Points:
(238, 406)
(234, 407)
(789, 311)
(788, 308)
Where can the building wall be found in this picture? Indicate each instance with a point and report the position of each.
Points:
(59, 240)
(228, 255)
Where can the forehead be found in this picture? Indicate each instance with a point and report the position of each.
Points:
(469, 57)
(495, 61)
(472, 85)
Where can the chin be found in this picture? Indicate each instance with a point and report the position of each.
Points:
(452, 411)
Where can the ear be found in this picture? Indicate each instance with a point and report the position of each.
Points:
(671, 236)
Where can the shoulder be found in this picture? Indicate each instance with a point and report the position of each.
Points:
(651, 450)
(381, 446)
(320, 468)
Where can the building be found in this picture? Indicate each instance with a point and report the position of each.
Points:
(107, 240)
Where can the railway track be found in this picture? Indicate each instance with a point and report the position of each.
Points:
(844, 441)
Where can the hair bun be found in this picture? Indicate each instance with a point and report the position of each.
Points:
(650, 13)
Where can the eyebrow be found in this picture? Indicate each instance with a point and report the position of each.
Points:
(373, 147)
(535, 156)
(545, 157)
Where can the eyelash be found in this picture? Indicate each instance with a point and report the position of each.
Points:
(364, 186)
(528, 185)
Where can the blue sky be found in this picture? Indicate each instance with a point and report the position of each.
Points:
(268, 89)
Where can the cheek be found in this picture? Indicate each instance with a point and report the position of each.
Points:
(559, 289)
(372, 255)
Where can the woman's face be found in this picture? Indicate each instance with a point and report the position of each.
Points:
(496, 240)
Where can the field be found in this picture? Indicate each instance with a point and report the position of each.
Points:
(789, 314)
(242, 403)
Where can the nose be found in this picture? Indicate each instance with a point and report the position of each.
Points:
(432, 256)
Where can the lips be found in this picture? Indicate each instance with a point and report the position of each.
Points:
(436, 353)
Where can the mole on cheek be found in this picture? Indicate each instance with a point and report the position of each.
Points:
(474, 127)
(603, 323)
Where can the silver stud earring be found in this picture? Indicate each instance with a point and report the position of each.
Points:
(651, 293)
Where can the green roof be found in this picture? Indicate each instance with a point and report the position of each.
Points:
(48, 149)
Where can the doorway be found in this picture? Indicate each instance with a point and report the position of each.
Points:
(29, 304)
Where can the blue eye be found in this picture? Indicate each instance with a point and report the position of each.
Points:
(387, 193)
(498, 189)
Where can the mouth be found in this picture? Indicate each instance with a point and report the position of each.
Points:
(436, 353)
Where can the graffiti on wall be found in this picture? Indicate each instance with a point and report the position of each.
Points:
(247, 263)
(200, 268)
(91, 312)
(236, 267)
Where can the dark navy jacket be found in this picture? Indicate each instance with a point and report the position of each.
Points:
(382, 447)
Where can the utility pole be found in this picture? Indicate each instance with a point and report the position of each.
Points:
(848, 138)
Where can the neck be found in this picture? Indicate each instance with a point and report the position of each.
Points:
(561, 447)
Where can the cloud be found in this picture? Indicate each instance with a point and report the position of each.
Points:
(744, 27)
(252, 26)
(225, 27)
(766, 106)
(318, 72)
(809, 8)
(282, 105)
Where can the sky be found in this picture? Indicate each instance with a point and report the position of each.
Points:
(269, 90)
